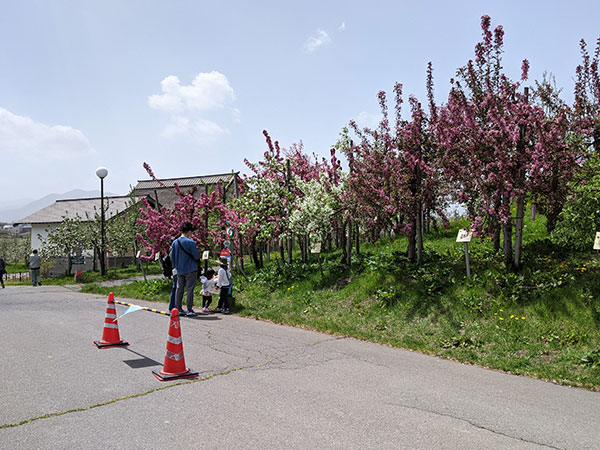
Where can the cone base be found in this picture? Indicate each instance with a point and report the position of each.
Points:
(100, 344)
(174, 376)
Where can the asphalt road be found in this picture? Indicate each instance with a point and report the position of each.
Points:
(261, 386)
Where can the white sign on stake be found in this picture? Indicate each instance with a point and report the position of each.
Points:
(597, 241)
(464, 235)
(315, 247)
(205, 254)
(138, 254)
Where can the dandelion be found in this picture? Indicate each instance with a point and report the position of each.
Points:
(523, 318)
(501, 310)
(501, 318)
(512, 315)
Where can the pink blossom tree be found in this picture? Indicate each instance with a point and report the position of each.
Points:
(586, 108)
(496, 144)
(208, 213)
(393, 176)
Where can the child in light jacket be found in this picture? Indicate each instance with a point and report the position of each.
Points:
(209, 287)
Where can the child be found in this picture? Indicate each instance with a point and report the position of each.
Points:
(209, 287)
(224, 283)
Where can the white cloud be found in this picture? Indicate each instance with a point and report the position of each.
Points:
(237, 115)
(318, 40)
(36, 141)
(342, 27)
(177, 127)
(188, 104)
(208, 91)
(368, 120)
(200, 130)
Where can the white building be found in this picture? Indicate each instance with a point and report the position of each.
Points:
(45, 220)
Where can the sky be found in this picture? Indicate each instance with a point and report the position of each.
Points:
(189, 86)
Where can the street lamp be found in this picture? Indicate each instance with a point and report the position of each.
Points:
(102, 173)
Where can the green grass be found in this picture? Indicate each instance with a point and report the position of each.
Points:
(157, 290)
(16, 267)
(542, 322)
(92, 276)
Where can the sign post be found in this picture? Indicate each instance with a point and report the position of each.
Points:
(597, 241)
(315, 247)
(465, 235)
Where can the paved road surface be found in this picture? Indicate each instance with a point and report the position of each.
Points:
(261, 386)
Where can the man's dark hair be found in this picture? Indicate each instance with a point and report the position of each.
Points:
(186, 226)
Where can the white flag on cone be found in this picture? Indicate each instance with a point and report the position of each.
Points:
(129, 309)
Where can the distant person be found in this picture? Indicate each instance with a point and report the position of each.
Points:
(209, 287)
(35, 262)
(224, 283)
(2, 271)
(170, 272)
(185, 257)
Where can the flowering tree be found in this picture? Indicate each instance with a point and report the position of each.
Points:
(586, 108)
(496, 144)
(208, 214)
(269, 195)
(314, 211)
(393, 173)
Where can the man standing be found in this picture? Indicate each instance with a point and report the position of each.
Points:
(35, 263)
(2, 270)
(185, 257)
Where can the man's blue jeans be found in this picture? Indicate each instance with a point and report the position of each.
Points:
(186, 281)
(173, 291)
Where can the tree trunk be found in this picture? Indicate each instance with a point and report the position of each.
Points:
(507, 229)
(552, 219)
(519, 231)
(281, 250)
(419, 237)
(302, 244)
(290, 242)
(261, 251)
(496, 238)
(342, 238)
(412, 241)
(69, 264)
(357, 234)
(241, 258)
(254, 254)
(349, 243)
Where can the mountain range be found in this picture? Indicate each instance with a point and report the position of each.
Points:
(11, 212)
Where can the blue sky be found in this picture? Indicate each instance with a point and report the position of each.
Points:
(188, 86)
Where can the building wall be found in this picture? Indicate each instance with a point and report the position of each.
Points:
(40, 228)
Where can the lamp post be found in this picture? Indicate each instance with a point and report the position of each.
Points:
(102, 172)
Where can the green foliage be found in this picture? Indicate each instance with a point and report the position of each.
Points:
(14, 249)
(153, 288)
(581, 212)
(592, 359)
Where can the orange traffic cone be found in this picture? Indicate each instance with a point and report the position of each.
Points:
(174, 366)
(110, 335)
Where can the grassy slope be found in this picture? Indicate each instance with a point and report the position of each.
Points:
(540, 322)
(543, 322)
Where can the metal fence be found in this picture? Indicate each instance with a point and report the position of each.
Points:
(20, 276)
